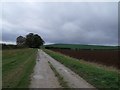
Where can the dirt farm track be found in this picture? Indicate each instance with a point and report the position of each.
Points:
(105, 57)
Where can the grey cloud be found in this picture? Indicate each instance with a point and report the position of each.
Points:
(85, 23)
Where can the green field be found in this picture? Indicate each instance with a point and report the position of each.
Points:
(80, 46)
(99, 76)
(0, 69)
(17, 65)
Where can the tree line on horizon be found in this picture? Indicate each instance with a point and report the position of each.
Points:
(31, 40)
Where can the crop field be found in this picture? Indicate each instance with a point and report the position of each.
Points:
(17, 65)
(105, 57)
(99, 76)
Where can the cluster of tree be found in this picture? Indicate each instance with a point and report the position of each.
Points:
(31, 40)
(10, 46)
(4, 46)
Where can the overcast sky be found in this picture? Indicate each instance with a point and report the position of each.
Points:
(76, 23)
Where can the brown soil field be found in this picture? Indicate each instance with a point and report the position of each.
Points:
(105, 57)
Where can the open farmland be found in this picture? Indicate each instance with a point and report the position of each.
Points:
(17, 65)
(106, 55)
(80, 46)
(99, 76)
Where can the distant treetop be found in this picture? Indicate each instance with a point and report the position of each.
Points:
(31, 40)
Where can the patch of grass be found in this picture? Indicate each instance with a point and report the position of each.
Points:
(0, 69)
(17, 65)
(61, 80)
(99, 77)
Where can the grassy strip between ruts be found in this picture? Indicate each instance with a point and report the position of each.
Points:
(99, 77)
(61, 80)
(17, 65)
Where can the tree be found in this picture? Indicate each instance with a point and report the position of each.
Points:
(29, 39)
(34, 40)
(20, 40)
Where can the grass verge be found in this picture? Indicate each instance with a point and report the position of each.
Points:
(17, 65)
(99, 77)
(61, 80)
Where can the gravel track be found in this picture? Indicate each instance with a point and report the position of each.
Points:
(43, 76)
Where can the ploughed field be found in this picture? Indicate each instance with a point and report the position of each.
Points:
(105, 57)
